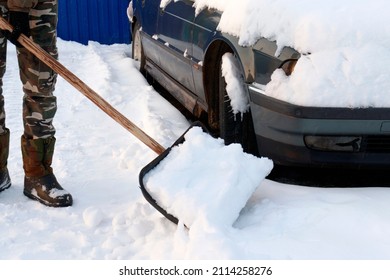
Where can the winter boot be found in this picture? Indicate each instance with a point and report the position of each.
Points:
(39, 182)
(5, 181)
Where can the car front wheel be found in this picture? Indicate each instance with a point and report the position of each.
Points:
(234, 128)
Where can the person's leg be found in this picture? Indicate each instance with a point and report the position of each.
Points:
(5, 181)
(39, 108)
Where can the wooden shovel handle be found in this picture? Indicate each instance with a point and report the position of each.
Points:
(83, 88)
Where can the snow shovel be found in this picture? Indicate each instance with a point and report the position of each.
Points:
(105, 107)
(252, 180)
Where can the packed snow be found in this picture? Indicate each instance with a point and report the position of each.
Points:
(210, 179)
(239, 99)
(99, 162)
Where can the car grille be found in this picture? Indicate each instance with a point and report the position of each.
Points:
(376, 144)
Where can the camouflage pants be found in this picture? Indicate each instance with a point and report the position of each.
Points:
(39, 103)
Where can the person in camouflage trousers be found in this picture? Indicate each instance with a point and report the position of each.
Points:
(36, 19)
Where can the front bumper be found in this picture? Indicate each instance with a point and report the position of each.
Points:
(281, 129)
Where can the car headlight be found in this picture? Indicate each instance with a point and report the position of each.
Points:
(334, 143)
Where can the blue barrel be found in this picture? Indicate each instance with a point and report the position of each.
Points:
(103, 21)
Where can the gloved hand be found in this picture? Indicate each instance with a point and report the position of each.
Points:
(20, 22)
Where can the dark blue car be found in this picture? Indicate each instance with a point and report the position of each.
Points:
(183, 52)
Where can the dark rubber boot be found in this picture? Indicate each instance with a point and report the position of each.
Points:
(39, 182)
(5, 180)
(47, 191)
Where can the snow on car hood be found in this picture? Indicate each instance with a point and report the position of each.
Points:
(345, 46)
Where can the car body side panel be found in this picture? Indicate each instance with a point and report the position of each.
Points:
(203, 34)
(174, 35)
(205, 26)
(148, 9)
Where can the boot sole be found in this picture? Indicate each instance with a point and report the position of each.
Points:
(5, 186)
(44, 202)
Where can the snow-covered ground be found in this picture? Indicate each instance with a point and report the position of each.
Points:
(98, 162)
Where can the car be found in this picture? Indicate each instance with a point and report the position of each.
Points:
(182, 49)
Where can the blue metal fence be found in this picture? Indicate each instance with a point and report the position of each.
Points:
(104, 21)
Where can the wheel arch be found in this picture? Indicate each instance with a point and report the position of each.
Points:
(212, 57)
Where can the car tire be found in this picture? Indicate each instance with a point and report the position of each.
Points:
(137, 49)
(234, 128)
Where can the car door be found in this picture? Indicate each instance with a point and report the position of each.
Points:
(174, 33)
(149, 14)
